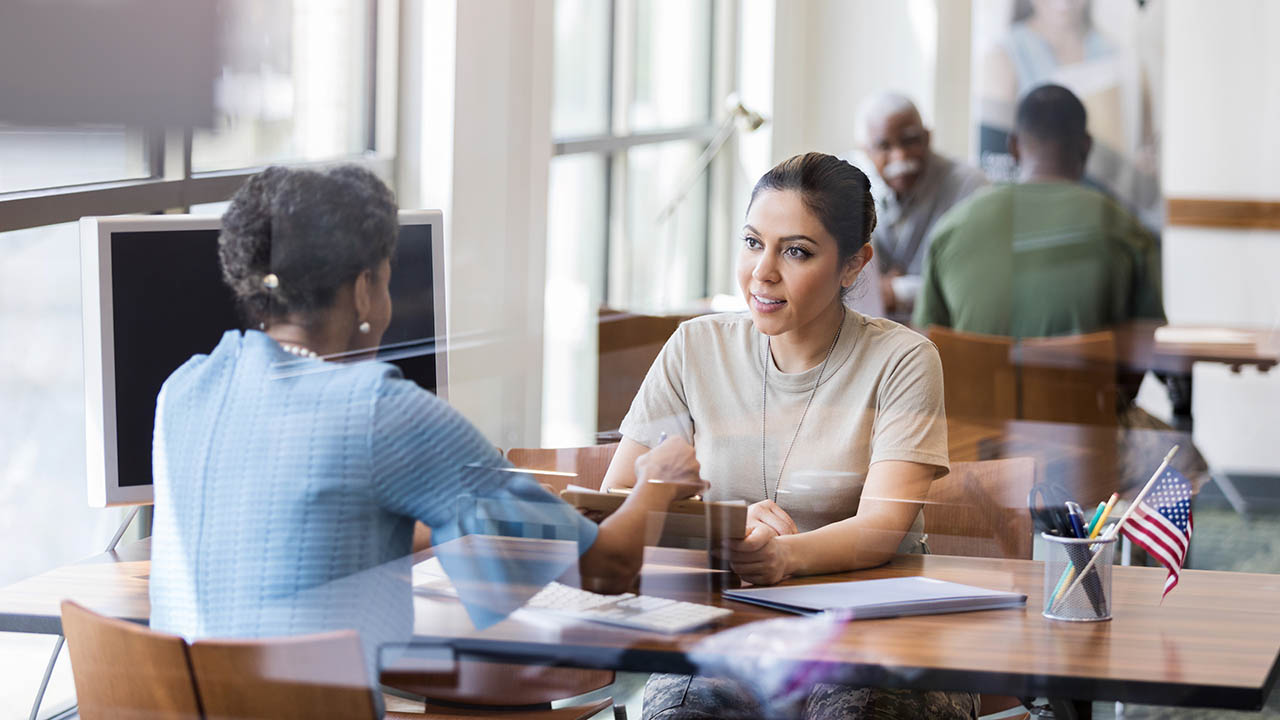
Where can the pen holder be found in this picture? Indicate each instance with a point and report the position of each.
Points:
(1066, 596)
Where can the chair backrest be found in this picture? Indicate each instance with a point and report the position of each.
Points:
(125, 670)
(979, 381)
(588, 464)
(308, 677)
(1069, 379)
(628, 344)
(980, 509)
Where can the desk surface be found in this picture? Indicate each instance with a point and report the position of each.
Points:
(1137, 349)
(1213, 642)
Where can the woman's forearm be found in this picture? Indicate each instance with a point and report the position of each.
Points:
(891, 501)
(621, 472)
(611, 564)
(850, 544)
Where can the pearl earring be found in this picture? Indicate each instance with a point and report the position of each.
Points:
(365, 327)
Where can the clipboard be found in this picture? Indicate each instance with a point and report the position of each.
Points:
(715, 521)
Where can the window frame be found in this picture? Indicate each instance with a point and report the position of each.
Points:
(170, 183)
(614, 144)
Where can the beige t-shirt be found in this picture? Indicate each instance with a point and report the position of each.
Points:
(880, 398)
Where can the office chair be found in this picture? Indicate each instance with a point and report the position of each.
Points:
(1069, 379)
(123, 669)
(979, 380)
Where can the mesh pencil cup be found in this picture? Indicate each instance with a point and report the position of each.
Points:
(1066, 596)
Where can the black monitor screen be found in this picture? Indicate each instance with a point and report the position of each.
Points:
(169, 303)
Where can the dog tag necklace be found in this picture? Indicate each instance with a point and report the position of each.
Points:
(764, 414)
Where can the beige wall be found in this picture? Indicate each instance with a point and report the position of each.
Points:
(476, 107)
(831, 54)
(1222, 108)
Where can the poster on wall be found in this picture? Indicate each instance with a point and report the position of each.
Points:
(1109, 53)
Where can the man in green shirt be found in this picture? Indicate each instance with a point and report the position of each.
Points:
(1048, 255)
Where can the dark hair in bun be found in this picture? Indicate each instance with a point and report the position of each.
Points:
(313, 231)
(837, 193)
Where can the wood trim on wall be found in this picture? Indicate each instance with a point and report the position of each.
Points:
(1223, 213)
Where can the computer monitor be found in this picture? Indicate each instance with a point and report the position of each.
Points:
(153, 296)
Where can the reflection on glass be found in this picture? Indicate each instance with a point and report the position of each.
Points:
(672, 64)
(661, 263)
(35, 157)
(576, 241)
(581, 105)
(293, 84)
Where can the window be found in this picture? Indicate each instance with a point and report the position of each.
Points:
(294, 85)
(647, 119)
(632, 112)
(36, 157)
(297, 85)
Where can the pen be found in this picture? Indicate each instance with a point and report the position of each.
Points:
(1077, 519)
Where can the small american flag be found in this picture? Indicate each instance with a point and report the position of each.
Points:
(1161, 524)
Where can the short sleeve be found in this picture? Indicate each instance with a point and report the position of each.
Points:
(429, 463)
(661, 405)
(911, 422)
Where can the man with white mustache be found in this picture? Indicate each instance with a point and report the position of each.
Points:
(912, 186)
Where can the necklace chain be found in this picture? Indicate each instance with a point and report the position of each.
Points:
(764, 414)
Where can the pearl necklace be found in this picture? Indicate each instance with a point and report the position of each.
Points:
(298, 350)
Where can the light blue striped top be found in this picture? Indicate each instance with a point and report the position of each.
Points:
(286, 492)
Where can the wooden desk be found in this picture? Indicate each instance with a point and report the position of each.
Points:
(1214, 642)
(1138, 350)
(114, 584)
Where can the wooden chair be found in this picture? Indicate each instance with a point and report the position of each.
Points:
(308, 676)
(588, 464)
(627, 344)
(979, 380)
(123, 669)
(1069, 379)
(980, 510)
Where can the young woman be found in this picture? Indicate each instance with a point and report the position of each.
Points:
(286, 487)
(828, 422)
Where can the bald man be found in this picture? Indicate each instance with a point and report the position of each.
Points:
(912, 185)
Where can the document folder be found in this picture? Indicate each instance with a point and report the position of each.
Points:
(891, 597)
